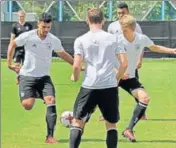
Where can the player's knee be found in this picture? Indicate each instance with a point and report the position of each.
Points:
(110, 125)
(28, 103)
(27, 106)
(78, 123)
(49, 100)
(145, 100)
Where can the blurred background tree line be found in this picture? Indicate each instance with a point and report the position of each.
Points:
(142, 10)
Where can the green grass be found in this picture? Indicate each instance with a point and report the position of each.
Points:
(26, 129)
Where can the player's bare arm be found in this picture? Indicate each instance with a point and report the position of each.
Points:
(139, 65)
(162, 49)
(76, 67)
(123, 65)
(10, 53)
(65, 56)
(12, 37)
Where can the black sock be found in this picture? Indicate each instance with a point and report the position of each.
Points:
(75, 137)
(51, 117)
(137, 114)
(112, 138)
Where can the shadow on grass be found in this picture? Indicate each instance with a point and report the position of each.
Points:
(161, 120)
(121, 140)
(157, 141)
(83, 140)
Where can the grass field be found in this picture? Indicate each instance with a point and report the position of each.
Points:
(27, 129)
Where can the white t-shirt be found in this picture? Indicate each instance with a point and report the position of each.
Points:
(38, 53)
(134, 50)
(99, 52)
(115, 28)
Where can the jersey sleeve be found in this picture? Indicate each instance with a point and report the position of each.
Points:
(147, 42)
(57, 45)
(21, 39)
(138, 28)
(78, 49)
(13, 29)
(120, 48)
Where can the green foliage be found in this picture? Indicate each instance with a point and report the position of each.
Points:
(37, 7)
(137, 8)
(156, 13)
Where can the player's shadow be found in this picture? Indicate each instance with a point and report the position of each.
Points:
(161, 120)
(83, 140)
(120, 140)
(156, 141)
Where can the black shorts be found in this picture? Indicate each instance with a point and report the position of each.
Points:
(19, 56)
(32, 87)
(106, 99)
(130, 84)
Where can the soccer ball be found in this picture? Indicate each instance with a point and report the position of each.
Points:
(66, 118)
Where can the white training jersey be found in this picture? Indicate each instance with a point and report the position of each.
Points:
(38, 53)
(134, 50)
(99, 50)
(115, 28)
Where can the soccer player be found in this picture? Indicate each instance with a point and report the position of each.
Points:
(134, 43)
(34, 75)
(115, 28)
(20, 27)
(99, 88)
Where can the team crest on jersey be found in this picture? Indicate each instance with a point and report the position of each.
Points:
(19, 28)
(95, 42)
(137, 46)
(49, 45)
(34, 46)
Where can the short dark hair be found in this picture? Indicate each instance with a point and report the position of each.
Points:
(95, 15)
(45, 17)
(122, 5)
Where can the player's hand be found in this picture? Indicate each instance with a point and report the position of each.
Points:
(72, 78)
(82, 68)
(174, 51)
(125, 76)
(139, 65)
(15, 68)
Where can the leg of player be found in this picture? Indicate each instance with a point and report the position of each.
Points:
(144, 117)
(26, 92)
(84, 106)
(138, 112)
(28, 103)
(109, 107)
(51, 118)
(49, 99)
(112, 135)
(76, 132)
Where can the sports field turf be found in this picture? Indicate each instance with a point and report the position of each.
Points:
(26, 129)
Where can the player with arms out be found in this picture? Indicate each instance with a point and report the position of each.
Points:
(34, 74)
(115, 28)
(134, 43)
(18, 28)
(99, 88)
